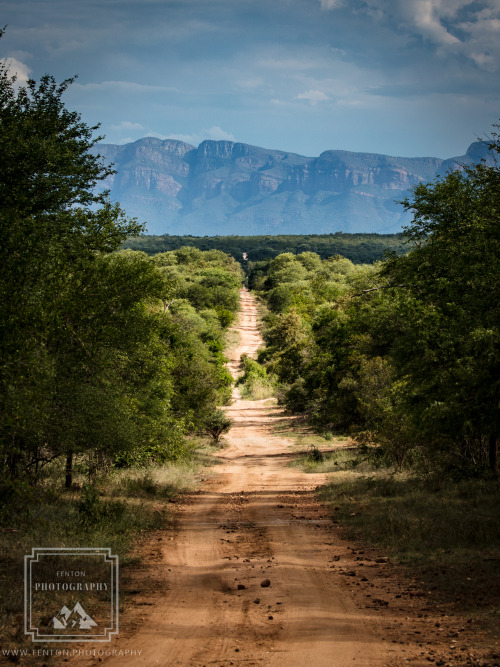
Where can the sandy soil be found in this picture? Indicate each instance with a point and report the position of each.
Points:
(256, 573)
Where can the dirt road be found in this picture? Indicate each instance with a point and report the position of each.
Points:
(256, 574)
(248, 578)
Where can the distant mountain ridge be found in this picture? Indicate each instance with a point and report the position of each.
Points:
(224, 187)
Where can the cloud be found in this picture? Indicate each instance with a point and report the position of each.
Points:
(250, 83)
(128, 126)
(455, 27)
(483, 33)
(377, 75)
(129, 87)
(16, 68)
(313, 96)
(331, 4)
(21, 55)
(215, 133)
(483, 60)
(291, 64)
(426, 16)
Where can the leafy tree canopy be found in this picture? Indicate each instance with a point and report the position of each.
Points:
(102, 352)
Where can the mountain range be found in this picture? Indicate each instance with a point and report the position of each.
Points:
(224, 187)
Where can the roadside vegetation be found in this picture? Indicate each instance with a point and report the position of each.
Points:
(112, 366)
(403, 354)
(254, 382)
(117, 510)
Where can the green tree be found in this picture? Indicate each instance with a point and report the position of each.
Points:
(102, 356)
(218, 424)
(449, 347)
(53, 231)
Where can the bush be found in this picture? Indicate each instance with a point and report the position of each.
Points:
(315, 455)
(217, 424)
(93, 510)
(255, 383)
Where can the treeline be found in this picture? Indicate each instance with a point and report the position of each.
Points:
(110, 356)
(359, 248)
(405, 354)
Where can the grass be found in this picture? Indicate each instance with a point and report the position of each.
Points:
(165, 481)
(323, 453)
(48, 519)
(113, 513)
(446, 534)
(257, 390)
(231, 340)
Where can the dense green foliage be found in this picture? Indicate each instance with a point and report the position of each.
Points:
(405, 354)
(254, 381)
(110, 355)
(359, 248)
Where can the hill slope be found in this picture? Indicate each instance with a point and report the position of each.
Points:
(223, 187)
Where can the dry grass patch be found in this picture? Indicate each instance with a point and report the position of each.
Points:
(446, 534)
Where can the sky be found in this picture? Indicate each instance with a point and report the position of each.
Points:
(400, 77)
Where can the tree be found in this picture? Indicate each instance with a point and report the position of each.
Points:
(450, 346)
(53, 230)
(405, 354)
(101, 354)
(217, 425)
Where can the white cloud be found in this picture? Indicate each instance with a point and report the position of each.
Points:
(454, 26)
(331, 4)
(215, 133)
(129, 87)
(426, 17)
(21, 55)
(250, 83)
(313, 96)
(16, 68)
(483, 60)
(483, 43)
(128, 126)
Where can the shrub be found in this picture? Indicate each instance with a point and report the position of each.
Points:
(217, 424)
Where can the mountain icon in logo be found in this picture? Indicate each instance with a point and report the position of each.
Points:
(74, 618)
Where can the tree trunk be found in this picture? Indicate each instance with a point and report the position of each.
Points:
(13, 463)
(492, 453)
(69, 470)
